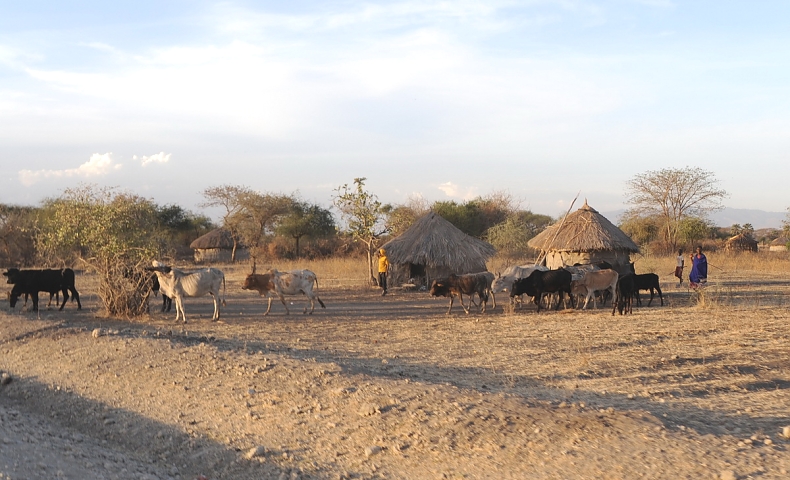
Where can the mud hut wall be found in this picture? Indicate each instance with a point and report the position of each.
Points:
(219, 255)
(556, 259)
(399, 273)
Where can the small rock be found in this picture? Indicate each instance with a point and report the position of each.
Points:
(97, 332)
(368, 409)
(728, 475)
(5, 379)
(786, 432)
(254, 452)
(768, 441)
(370, 451)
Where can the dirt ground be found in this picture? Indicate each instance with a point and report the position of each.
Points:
(391, 387)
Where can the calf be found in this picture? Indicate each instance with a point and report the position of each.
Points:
(648, 281)
(595, 281)
(460, 285)
(626, 287)
(539, 282)
(276, 283)
(33, 281)
(177, 284)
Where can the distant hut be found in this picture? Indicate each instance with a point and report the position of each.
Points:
(432, 248)
(742, 242)
(778, 245)
(585, 236)
(216, 246)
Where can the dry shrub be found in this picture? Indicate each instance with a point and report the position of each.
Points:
(125, 289)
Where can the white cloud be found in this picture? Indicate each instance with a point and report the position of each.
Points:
(455, 191)
(98, 165)
(160, 157)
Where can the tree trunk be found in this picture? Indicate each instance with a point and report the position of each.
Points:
(372, 280)
(233, 252)
(297, 246)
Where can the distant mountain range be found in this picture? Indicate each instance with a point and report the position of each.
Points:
(729, 216)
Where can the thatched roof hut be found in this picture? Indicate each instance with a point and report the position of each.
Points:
(216, 246)
(742, 242)
(778, 245)
(433, 247)
(585, 236)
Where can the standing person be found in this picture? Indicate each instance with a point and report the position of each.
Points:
(679, 267)
(384, 265)
(699, 269)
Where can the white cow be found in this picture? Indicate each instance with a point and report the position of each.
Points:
(275, 282)
(178, 284)
(595, 281)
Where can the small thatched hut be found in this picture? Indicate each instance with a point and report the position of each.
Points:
(216, 246)
(778, 245)
(585, 236)
(432, 248)
(741, 243)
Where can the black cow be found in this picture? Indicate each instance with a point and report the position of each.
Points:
(540, 282)
(626, 287)
(34, 281)
(460, 285)
(647, 281)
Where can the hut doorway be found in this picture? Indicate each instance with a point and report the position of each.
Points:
(417, 272)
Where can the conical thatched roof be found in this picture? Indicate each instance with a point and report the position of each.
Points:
(584, 230)
(217, 238)
(434, 242)
(781, 241)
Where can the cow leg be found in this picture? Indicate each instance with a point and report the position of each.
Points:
(652, 293)
(65, 298)
(216, 315)
(180, 309)
(282, 299)
(561, 299)
(34, 298)
(452, 298)
(75, 296)
(461, 296)
(269, 307)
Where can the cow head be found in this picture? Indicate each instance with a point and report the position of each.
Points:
(159, 267)
(12, 274)
(439, 288)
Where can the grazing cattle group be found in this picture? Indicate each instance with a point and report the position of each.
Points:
(276, 283)
(572, 283)
(30, 282)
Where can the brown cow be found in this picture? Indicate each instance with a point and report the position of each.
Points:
(274, 282)
(460, 285)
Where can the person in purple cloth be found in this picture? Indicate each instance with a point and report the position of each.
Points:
(699, 269)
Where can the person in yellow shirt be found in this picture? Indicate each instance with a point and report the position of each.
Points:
(384, 265)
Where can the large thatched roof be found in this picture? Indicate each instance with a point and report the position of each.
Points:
(584, 230)
(217, 238)
(434, 242)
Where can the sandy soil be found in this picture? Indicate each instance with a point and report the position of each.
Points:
(392, 387)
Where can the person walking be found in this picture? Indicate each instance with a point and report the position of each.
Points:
(384, 265)
(681, 262)
(698, 276)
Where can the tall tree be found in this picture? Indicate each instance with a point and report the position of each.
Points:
(672, 194)
(511, 236)
(364, 215)
(17, 231)
(258, 217)
(230, 198)
(306, 220)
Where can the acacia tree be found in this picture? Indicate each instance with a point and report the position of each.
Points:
(364, 215)
(672, 194)
(306, 220)
(230, 198)
(258, 216)
(17, 229)
(511, 236)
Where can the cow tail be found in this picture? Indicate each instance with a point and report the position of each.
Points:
(316, 293)
(224, 291)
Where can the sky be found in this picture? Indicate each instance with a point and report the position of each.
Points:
(447, 100)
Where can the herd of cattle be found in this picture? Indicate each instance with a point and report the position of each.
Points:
(577, 282)
(596, 282)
